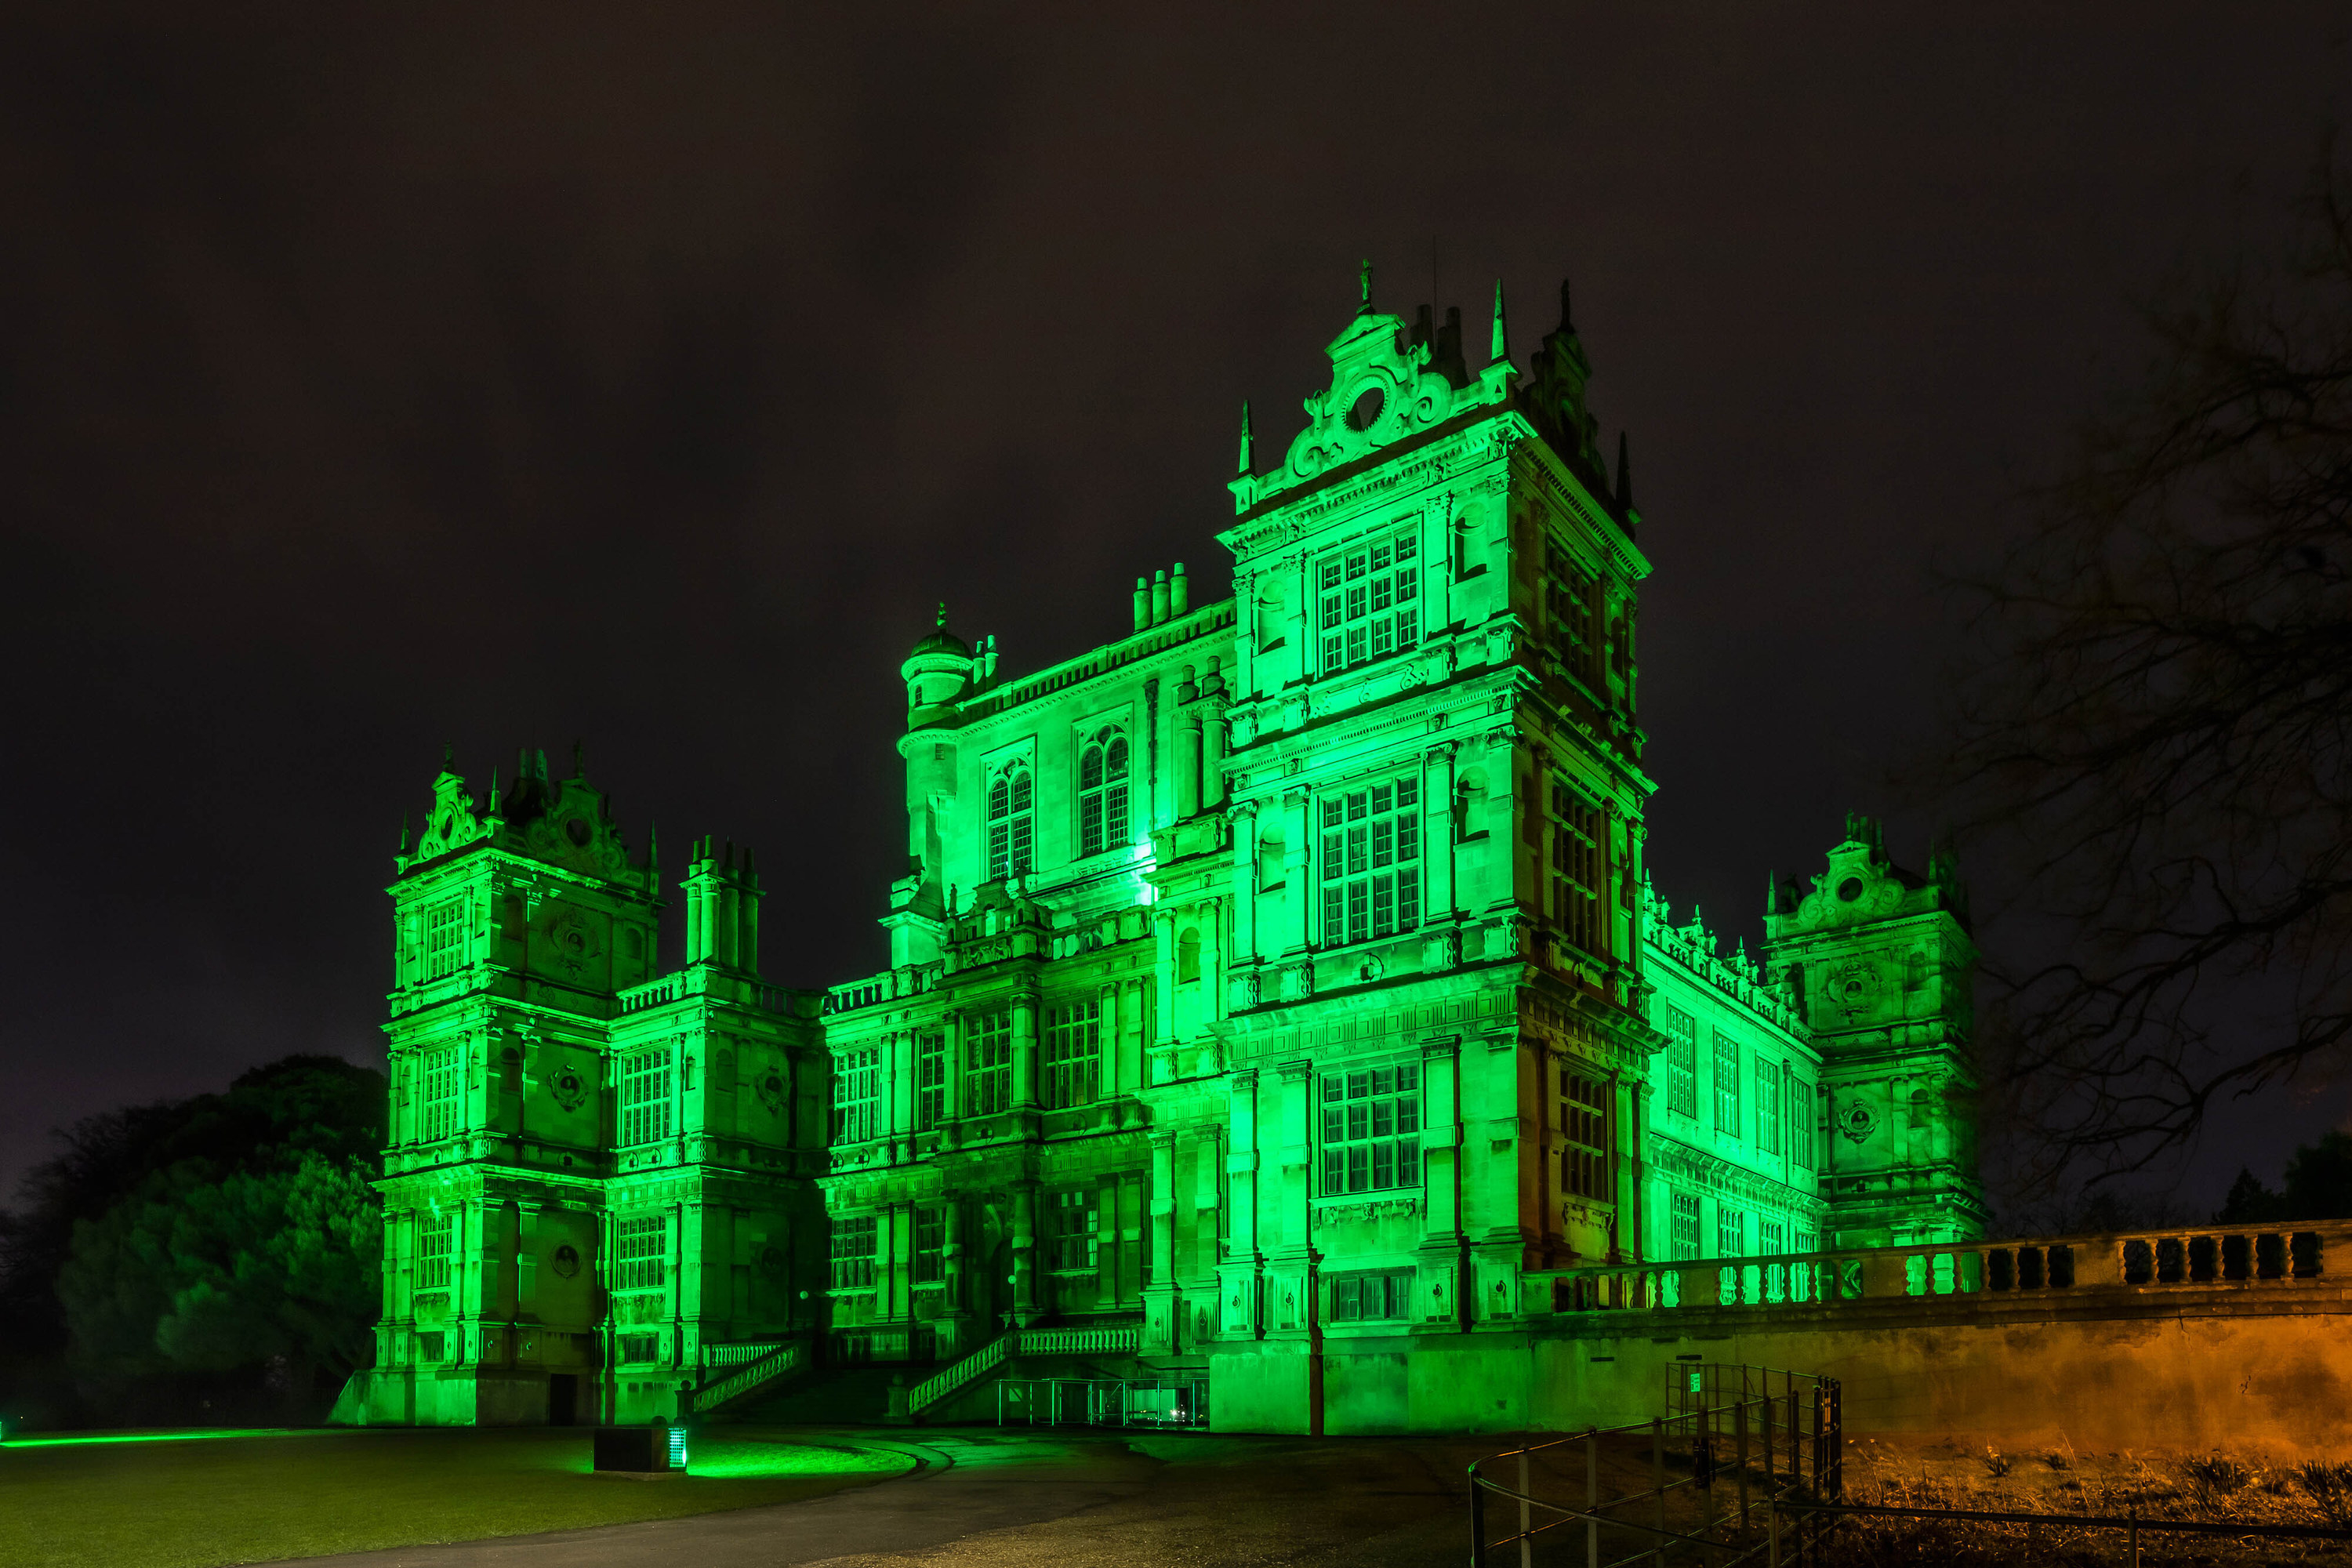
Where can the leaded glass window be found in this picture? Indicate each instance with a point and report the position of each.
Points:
(1076, 1234)
(444, 938)
(1584, 1164)
(1726, 1084)
(437, 1248)
(852, 1247)
(641, 1253)
(1682, 1063)
(1686, 1224)
(1768, 1106)
(1728, 1232)
(931, 1081)
(1072, 1053)
(1372, 1128)
(1368, 601)
(1578, 871)
(1371, 861)
(1801, 1122)
(1371, 1296)
(988, 1063)
(1771, 1237)
(930, 1245)
(857, 1094)
(1011, 821)
(646, 1099)
(444, 1092)
(1102, 793)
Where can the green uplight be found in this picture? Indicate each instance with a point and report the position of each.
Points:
(724, 1459)
(150, 1437)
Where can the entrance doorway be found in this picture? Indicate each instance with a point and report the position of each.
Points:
(562, 1398)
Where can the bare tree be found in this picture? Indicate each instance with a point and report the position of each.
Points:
(2161, 738)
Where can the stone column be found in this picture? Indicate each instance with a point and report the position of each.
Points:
(1297, 869)
(1188, 764)
(1159, 1305)
(1024, 1253)
(1437, 829)
(1211, 916)
(1213, 756)
(1024, 1050)
(954, 1307)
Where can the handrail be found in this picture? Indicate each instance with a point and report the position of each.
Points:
(1020, 1341)
(757, 1373)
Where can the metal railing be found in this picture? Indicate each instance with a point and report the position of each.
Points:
(1745, 1439)
(2132, 1524)
(1102, 1402)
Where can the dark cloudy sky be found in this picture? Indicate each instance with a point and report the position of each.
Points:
(374, 376)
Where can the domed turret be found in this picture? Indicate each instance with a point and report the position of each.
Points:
(937, 672)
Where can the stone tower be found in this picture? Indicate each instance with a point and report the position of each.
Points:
(594, 1175)
(1880, 962)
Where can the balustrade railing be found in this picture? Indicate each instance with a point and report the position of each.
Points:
(743, 1368)
(2218, 1258)
(890, 985)
(1094, 1340)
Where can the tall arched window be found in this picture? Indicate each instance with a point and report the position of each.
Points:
(1102, 793)
(1009, 796)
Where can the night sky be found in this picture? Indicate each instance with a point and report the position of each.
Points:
(374, 377)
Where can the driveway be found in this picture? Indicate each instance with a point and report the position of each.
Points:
(1053, 1498)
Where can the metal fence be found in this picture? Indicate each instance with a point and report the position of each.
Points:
(1707, 1480)
(1101, 1402)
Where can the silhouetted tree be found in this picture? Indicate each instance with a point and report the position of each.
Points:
(2162, 732)
(205, 1246)
(2318, 1185)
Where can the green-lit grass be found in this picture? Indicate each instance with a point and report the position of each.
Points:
(250, 1499)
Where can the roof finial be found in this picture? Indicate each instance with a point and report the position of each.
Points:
(494, 789)
(942, 621)
(1624, 475)
(404, 831)
(1567, 316)
(1499, 350)
(1245, 460)
(1364, 288)
(448, 755)
(578, 759)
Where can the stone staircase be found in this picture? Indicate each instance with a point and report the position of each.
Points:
(991, 1359)
(829, 1395)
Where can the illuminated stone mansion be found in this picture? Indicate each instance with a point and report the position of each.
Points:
(1273, 989)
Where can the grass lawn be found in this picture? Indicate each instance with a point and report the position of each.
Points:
(250, 1497)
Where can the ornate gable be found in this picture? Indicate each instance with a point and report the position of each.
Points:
(1386, 385)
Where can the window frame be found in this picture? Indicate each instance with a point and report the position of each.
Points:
(1104, 803)
(1073, 1056)
(1346, 1291)
(1369, 860)
(1580, 870)
(1682, 1061)
(1586, 1118)
(647, 1117)
(637, 1266)
(928, 1264)
(1682, 1242)
(445, 937)
(436, 1249)
(1011, 819)
(1393, 1088)
(988, 1062)
(846, 1267)
(442, 1098)
(1367, 601)
(1076, 1234)
(857, 1093)
(1724, 1081)
(931, 1081)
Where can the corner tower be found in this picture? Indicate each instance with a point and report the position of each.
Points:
(1437, 1033)
(1881, 966)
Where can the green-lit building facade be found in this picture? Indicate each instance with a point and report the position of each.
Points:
(1270, 989)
